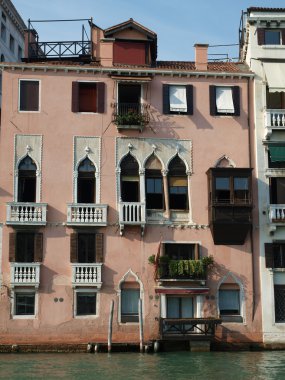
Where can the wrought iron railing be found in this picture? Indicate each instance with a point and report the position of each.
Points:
(87, 274)
(59, 49)
(25, 274)
(86, 214)
(131, 114)
(22, 213)
(185, 328)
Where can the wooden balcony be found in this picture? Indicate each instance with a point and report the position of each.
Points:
(274, 120)
(87, 274)
(188, 328)
(131, 115)
(26, 214)
(132, 214)
(25, 274)
(277, 214)
(86, 214)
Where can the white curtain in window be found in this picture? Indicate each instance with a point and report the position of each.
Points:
(177, 98)
(224, 100)
(130, 301)
(229, 300)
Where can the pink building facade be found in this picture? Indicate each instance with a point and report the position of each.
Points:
(123, 178)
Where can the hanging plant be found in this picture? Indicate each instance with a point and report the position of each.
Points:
(173, 268)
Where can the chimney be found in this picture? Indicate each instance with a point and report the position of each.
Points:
(201, 56)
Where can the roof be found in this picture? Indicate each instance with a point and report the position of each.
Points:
(212, 66)
(262, 9)
(129, 23)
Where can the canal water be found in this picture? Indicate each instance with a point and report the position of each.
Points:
(163, 366)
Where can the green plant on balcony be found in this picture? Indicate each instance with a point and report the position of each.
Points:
(130, 118)
(189, 268)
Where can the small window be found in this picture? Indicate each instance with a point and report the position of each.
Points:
(154, 190)
(85, 303)
(88, 97)
(29, 95)
(12, 43)
(223, 192)
(178, 99)
(178, 185)
(225, 100)
(3, 32)
(27, 180)
(130, 305)
(275, 255)
(24, 304)
(86, 182)
(20, 53)
(272, 37)
(279, 299)
(277, 190)
(229, 302)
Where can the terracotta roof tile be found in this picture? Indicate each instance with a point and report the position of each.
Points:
(264, 9)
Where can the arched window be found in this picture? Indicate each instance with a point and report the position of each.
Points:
(230, 299)
(178, 186)
(130, 179)
(154, 184)
(86, 182)
(27, 180)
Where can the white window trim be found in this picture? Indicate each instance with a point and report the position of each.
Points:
(85, 290)
(19, 94)
(13, 303)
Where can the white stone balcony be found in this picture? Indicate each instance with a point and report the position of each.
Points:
(274, 120)
(132, 214)
(277, 214)
(86, 214)
(25, 274)
(87, 274)
(26, 213)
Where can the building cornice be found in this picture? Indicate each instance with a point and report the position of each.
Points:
(14, 15)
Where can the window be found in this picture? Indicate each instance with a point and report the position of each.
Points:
(88, 97)
(25, 247)
(277, 190)
(3, 32)
(130, 52)
(224, 100)
(229, 302)
(177, 251)
(20, 53)
(86, 248)
(86, 182)
(231, 190)
(130, 179)
(12, 43)
(24, 303)
(275, 100)
(27, 180)
(130, 110)
(279, 298)
(276, 156)
(3, 16)
(178, 99)
(178, 185)
(270, 36)
(180, 307)
(130, 305)
(275, 255)
(29, 95)
(86, 303)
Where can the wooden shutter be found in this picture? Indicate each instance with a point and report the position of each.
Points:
(212, 94)
(165, 97)
(99, 247)
(73, 248)
(283, 36)
(196, 251)
(189, 96)
(269, 258)
(236, 100)
(261, 36)
(101, 97)
(38, 256)
(12, 246)
(75, 100)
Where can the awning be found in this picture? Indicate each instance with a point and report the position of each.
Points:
(224, 100)
(277, 153)
(177, 98)
(275, 76)
(172, 290)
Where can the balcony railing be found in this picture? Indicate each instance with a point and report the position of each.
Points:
(86, 214)
(274, 119)
(132, 213)
(87, 274)
(25, 274)
(59, 49)
(131, 115)
(188, 328)
(32, 214)
(277, 213)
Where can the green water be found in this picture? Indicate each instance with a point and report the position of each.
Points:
(164, 366)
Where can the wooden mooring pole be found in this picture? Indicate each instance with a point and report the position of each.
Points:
(141, 325)
(110, 329)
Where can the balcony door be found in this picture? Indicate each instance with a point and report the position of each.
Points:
(27, 180)
(277, 190)
(130, 181)
(86, 182)
(179, 308)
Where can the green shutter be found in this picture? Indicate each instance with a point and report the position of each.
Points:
(277, 153)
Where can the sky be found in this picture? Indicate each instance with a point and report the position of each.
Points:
(179, 24)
